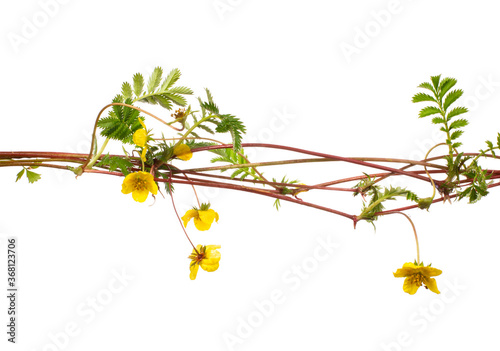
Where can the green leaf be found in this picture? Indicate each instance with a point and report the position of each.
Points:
(426, 85)
(163, 101)
(233, 125)
(498, 140)
(126, 90)
(115, 162)
(423, 97)
(155, 79)
(437, 120)
(209, 95)
(181, 90)
(459, 123)
(446, 84)
(117, 108)
(428, 111)
(138, 84)
(32, 176)
(205, 128)
(20, 174)
(490, 147)
(210, 106)
(177, 99)
(120, 123)
(435, 81)
(172, 77)
(277, 204)
(456, 134)
(113, 128)
(457, 111)
(451, 98)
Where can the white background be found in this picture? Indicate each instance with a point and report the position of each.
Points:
(261, 60)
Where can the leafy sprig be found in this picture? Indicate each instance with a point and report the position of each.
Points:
(378, 197)
(32, 176)
(156, 92)
(443, 98)
(224, 122)
(121, 122)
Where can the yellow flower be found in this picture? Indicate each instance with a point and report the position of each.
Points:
(140, 138)
(203, 217)
(415, 275)
(207, 258)
(140, 184)
(183, 152)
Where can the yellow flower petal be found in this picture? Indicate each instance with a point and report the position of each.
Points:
(143, 154)
(152, 186)
(140, 137)
(140, 195)
(142, 123)
(183, 152)
(409, 286)
(205, 219)
(431, 284)
(201, 225)
(128, 184)
(430, 271)
(216, 216)
(187, 217)
(193, 271)
(212, 257)
(408, 269)
(209, 265)
(212, 250)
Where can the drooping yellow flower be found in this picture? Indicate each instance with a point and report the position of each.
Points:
(203, 217)
(207, 258)
(415, 275)
(140, 138)
(140, 184)
(183, 152)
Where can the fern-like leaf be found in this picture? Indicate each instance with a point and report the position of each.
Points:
(445, 85)
(457, 111)
(459, 123)
(138, 84)
(456, 134)
(428, 111)
(437, 120)
(233, 125)
(435, 82)
(126, 90)
(172, 77)
(422, 97)
(428, 86)
(155, 79)
(451, 98)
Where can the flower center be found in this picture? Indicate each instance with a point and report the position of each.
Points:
(417, 279)
(140, 184)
